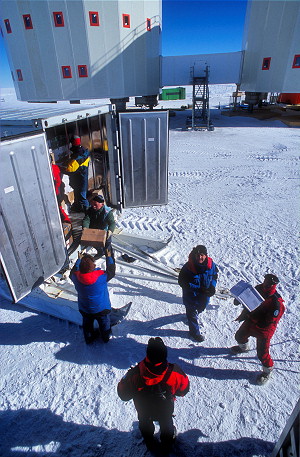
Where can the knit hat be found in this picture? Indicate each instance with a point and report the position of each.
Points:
(200, 249)
(75, 140)
(156, 350)
(98, 198)
(269, 285)
(270, 279)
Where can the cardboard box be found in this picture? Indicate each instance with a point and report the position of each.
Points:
(67, 229)
(93, 237)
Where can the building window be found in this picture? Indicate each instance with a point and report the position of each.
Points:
(296, 63)
(7, 25)
(82, 71)
(66, 71)
(59, 19)
(148, 24)
(126, 20)
(94, 18)
(19, 75)
(27, 21)
(266, 63)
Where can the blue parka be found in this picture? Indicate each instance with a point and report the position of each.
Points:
(93, 296)
(195, 279)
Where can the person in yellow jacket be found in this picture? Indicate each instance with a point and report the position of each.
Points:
(77, 169)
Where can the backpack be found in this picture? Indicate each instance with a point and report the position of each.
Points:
(158, 392)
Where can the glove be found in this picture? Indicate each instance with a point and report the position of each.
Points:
(107, 252)
(243, 316)
(210, 291)
(80, 254)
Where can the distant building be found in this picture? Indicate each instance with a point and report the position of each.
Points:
(78, 49)
(271, 47)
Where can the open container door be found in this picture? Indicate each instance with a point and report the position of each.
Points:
(32, 245)
(139, 159)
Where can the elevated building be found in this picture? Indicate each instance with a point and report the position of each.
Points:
(79, 49)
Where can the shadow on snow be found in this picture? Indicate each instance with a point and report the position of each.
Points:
(37, 433)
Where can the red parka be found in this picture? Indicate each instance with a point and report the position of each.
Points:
(150, 383)
(264, 319)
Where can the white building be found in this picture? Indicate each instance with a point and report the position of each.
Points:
(272, 47)
(80, 49)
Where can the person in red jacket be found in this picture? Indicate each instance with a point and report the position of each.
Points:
(56, 173)
(153, 385)
(261, 324)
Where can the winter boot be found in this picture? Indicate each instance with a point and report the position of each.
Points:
(106, 336)
(199, 338)
(264, 376)
(152, 443)
(242, 347)
(167, 444)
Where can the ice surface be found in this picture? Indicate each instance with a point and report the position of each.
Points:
(236, 192)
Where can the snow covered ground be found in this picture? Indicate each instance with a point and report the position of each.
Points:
(236, 190)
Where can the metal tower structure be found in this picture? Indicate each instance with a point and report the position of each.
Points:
(200, 111)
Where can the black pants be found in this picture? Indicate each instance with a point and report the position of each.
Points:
(103, 319)
(160, 412)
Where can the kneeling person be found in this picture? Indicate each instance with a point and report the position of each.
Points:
(93, 297)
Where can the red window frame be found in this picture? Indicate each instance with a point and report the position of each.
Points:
(266, 63)
(55, 17)
(65, 69)
(296, 60)
(27, 21)
(126, 20)
(19, 74)
(7, 26)
(148, 24)
(82, 71)
(94, 15)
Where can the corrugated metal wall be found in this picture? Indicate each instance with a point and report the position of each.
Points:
(32, 245)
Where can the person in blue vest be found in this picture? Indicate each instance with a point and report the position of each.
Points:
(77, 168)
(93, 296)
(99, 216)
(198, 279)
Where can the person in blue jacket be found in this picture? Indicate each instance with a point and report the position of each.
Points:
(198, 279)
(93, 297)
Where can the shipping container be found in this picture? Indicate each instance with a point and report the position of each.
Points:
(173, 93)
(129, 165)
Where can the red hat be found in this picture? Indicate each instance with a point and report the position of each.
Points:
(75, 140)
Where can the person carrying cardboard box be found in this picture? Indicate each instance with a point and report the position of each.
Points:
(93, 296)
(99, 216)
